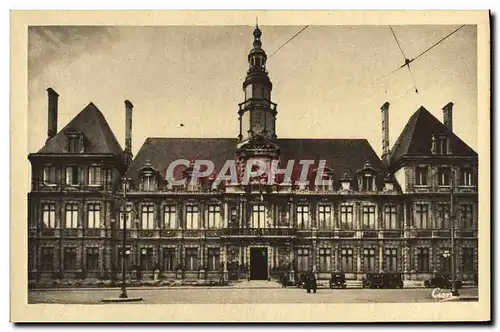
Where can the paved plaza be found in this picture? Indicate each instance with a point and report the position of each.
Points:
(253, 292)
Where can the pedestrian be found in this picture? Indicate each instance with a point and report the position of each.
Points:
(285, 280)
(307, 283)
(314, 283)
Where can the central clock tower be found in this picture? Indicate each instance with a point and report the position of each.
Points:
(257, 114)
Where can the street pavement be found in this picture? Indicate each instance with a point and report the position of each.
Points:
(239, 295)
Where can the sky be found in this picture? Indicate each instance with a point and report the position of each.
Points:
(328, 81)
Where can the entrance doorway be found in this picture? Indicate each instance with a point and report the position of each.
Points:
(258, 263)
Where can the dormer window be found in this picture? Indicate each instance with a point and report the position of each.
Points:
(441, 145)
(148, 177)
(366, 178)
(367, 183)
(75, 140)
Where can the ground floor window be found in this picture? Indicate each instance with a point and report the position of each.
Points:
(324, 259)
(391, 259)
(47, 258)
(369, 259)
(213, 259)
(303, 259)
(346, 260)
(128, 258)
(147, 262)
(445, 260)
(69, 258)
(468, 259)
(192, 259)
(423, 259)
(168, 259)
(92, 259)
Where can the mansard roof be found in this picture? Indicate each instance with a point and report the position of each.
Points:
(341, 155)
(99, 138)
(416, 138)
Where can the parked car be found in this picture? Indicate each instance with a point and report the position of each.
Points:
(383, 280)
(442, 281)
(338, 280)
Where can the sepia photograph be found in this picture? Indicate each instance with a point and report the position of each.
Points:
(255, 162)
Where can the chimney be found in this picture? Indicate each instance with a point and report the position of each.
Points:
(385, 133)
(52, 111)
(128, 132)
(448, 115)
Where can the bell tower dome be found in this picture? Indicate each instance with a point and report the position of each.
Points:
(257, 113)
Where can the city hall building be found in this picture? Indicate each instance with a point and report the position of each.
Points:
(367, 214)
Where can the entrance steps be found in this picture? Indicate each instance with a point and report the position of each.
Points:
(255, 284)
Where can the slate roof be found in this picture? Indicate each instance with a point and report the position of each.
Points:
(416, 137)
(100, 139)
(341, 155)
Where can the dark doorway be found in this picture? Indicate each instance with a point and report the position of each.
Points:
(258, 263)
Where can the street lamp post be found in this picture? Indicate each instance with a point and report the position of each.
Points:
(123, 294)
(454, 289)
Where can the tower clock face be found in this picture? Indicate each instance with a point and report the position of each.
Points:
(258, 122)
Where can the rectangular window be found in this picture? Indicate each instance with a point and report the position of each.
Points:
(367, 183)
(72, 177)
(325, 259)
(303, 259)
(442, 145)
(468, 259)
(128, 258)
(324, 216)
(258, 216)
(71, 215)
(443, 215)
(466, 217)
(147, 216)
(92, 258)
(69, 259)
(192, 220)
(346, 217)
(192, 259)
(423, 259)
(147, 262)
(148, 183)
(95, 176)
(214, 219)
(169, 217)
(49, 176)
(346, 260)
(302, 216)
(368, 216)
(421, 176)
(390, 217)
(391, 259)
(49, 215)
(47, 258)
(422, 216)
(444, 176)
(445, 260)
(168, 259)
(466, 177)
(213, 259)
(94, 215)
(369, 260)
(74, 144)
(127, 215)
